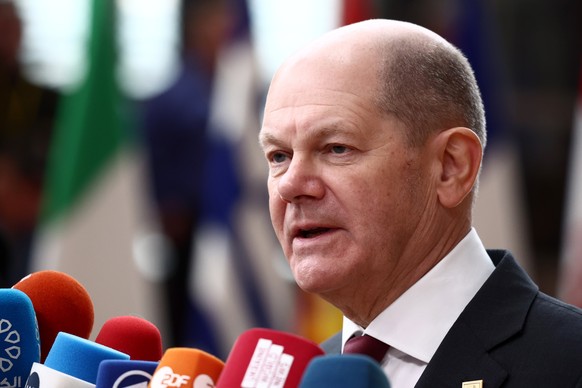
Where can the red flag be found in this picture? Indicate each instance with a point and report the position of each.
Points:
(356, 11)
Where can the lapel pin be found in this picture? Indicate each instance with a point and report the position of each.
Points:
(472, 384)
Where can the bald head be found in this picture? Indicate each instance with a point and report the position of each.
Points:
(411, 73)
(375, 32)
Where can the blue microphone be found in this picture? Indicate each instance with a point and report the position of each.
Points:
(72, 362)
(125, 373)
(19, 338)
(344, 371)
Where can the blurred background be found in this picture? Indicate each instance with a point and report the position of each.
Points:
(129, 155)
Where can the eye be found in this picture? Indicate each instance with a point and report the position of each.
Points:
(338, 149)
(278, 157)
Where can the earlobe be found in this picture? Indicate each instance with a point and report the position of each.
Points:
(460, 154)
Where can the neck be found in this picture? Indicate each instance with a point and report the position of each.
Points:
(367, 302)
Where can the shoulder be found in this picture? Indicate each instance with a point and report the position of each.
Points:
(514, 330)
(333, 345)
(557, 321)
(548, 350)
(548, 345)
(534, 312)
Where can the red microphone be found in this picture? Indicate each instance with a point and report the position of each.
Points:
(61, 303)
(132, 335)
(267, 358)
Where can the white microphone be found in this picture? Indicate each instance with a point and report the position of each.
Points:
(72, 362)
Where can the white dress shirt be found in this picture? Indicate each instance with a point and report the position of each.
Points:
(417, 322)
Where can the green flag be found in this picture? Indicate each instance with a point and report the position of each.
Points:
(90, 128)
(94, 202)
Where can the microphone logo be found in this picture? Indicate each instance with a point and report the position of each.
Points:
(269, 366)
(33, 381)
(165, 377)
(122, 380)
(10, 351)
(203, 381)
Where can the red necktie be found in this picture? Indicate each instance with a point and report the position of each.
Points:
(367, 345)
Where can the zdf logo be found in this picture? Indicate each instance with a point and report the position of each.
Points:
(165, 377)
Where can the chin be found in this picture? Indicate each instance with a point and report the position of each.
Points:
(314, 283)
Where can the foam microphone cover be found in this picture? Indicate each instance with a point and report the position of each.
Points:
(344, 371)
(125, 373)
(74, 357)
(267, 358)
(61, 303)
(186, 368)
(19, 343)
(132, 335)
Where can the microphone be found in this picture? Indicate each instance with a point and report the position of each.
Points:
(125, 373)
(186, 368)
(135, 336)
(61, 303)
(267, 358)
(344, 371)
(72, 362)
(19, 343)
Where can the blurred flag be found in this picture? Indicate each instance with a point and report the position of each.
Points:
(94, 203)
(235, 279)
(499, 213)
(356, 11)
(569, 284)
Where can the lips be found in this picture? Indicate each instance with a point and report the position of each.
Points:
(309, 233)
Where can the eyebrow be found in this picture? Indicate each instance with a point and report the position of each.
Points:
(267, 138)
(320, 132)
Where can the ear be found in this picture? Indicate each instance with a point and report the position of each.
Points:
(459, 154)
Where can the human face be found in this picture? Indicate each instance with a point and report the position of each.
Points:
(345, 191)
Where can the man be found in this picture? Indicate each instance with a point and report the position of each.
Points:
(374, 137)
(27, 114)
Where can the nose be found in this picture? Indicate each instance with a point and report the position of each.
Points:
(302, 180)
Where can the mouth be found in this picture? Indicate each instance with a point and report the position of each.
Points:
(310, 233)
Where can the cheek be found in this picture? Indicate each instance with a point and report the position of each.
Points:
(381, 205)
(277, 211)
(368, 198)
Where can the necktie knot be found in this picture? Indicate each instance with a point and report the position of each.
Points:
(367, 345)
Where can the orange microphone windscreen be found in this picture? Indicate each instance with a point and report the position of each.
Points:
(186, 368)
(61, 303)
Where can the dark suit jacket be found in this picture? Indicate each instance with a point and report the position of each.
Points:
(509, 335)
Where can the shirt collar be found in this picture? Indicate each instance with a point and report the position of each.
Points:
(417, 322)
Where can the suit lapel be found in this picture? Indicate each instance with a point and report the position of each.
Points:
(459, 361)
(495, 314)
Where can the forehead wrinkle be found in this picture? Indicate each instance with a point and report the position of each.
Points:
(318, 130)
(332, 128)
